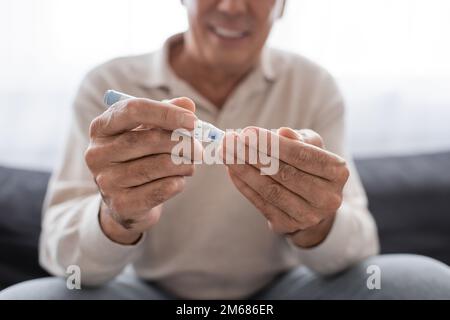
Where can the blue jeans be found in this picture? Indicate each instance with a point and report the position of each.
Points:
(402, 277)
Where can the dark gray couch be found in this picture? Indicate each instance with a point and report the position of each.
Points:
(409, 198)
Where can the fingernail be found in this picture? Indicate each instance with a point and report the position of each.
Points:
(293, 134)
(187, 120)
(249, 130)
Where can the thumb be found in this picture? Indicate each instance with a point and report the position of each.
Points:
(183, 102)
(304, 135)
(289, 133)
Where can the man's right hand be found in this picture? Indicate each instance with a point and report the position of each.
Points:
(130, 158)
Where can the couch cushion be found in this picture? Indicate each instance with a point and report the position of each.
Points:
(21, 196)
(409, 197)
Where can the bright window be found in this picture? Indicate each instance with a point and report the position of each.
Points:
(391, 58)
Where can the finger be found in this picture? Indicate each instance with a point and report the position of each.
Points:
(135, 201)
(142, 171)
(277, 195)
(308, 186)
(301, 155)
(305, 135)
(143, 222)
(288, 133)
(130, 114)
(279, 221)
(132, 145)
(183, 102)
(229, 148)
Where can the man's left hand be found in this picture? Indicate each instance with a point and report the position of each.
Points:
(301, 199)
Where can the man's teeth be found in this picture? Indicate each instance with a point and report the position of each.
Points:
(227, 33)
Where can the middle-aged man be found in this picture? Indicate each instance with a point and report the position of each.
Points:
(230, 232)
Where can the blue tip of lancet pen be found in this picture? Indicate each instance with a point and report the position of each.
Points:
(203, 131)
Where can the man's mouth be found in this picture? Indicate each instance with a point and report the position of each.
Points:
(229, 33)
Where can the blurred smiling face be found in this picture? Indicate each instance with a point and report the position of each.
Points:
(229, 33)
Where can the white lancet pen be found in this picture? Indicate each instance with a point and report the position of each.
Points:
(204, 131)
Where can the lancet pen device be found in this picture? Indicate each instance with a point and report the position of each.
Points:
(204, 131)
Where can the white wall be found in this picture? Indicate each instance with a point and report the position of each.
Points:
(391, 58)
